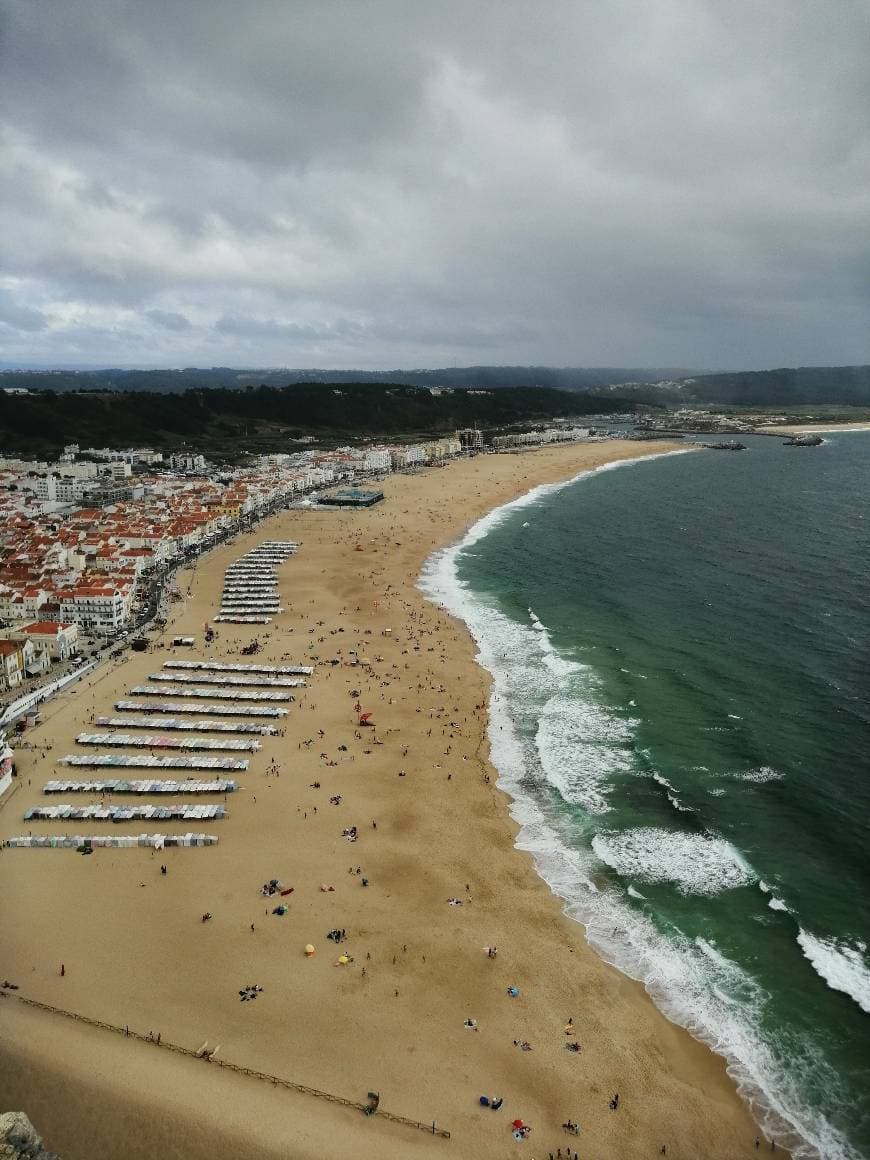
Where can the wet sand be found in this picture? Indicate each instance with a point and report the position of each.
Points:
(136, 953)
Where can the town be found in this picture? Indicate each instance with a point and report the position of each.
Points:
(89, 543)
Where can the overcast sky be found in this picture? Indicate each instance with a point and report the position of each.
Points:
(391, 183)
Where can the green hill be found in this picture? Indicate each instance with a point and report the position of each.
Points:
(227, 422)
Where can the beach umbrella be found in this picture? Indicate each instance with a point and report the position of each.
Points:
(309, 950)
(518, 1124)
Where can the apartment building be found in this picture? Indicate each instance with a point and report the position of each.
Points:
(95, 606)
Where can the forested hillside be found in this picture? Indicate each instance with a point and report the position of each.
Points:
(261, 418)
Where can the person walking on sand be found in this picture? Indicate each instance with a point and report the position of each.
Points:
(62, 970)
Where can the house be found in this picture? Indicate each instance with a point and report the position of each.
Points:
(17, 660)
(59, 640)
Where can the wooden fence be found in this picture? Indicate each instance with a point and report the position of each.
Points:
(431, 1129)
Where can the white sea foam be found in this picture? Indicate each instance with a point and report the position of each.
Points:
(773, 902)
(671, 794)
(694, 863)
(843, 967)
(686, 982)
(632, 893)
(759, 776)
(579, 747)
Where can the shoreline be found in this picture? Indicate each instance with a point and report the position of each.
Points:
(816, 428)
(556, 863)
(349, 1029)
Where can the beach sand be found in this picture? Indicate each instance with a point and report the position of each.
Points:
(816, 428)
(136, 953)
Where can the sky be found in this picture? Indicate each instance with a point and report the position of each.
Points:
(388, 184)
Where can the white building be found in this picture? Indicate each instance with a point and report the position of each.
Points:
(96, 608)
(187, 463)
(60, 641)
(377, 459)
(119, 470)
(408, 456)
(63, 490)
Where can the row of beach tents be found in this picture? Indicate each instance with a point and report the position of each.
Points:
(116, 841)
(181, 810)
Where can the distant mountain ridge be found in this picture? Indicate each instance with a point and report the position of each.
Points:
(231, 378)
(788, 386)
(783, 387)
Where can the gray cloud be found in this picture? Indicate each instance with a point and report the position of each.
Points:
(19, 317)
(383, 184)
(291, 332)
(168, 319)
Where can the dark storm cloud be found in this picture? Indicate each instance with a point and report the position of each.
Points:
(378, 183)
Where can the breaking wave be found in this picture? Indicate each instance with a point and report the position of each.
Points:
(843, 967)
(694, 863)
(551, 739)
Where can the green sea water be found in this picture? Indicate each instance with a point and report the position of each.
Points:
(681, 653)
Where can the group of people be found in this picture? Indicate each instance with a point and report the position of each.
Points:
(494, 1102)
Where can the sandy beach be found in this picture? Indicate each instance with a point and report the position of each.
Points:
(816, 428)
(432, 826)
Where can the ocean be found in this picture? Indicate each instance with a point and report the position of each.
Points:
(680, 649)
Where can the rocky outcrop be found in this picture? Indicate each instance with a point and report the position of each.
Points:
(19, 1141)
